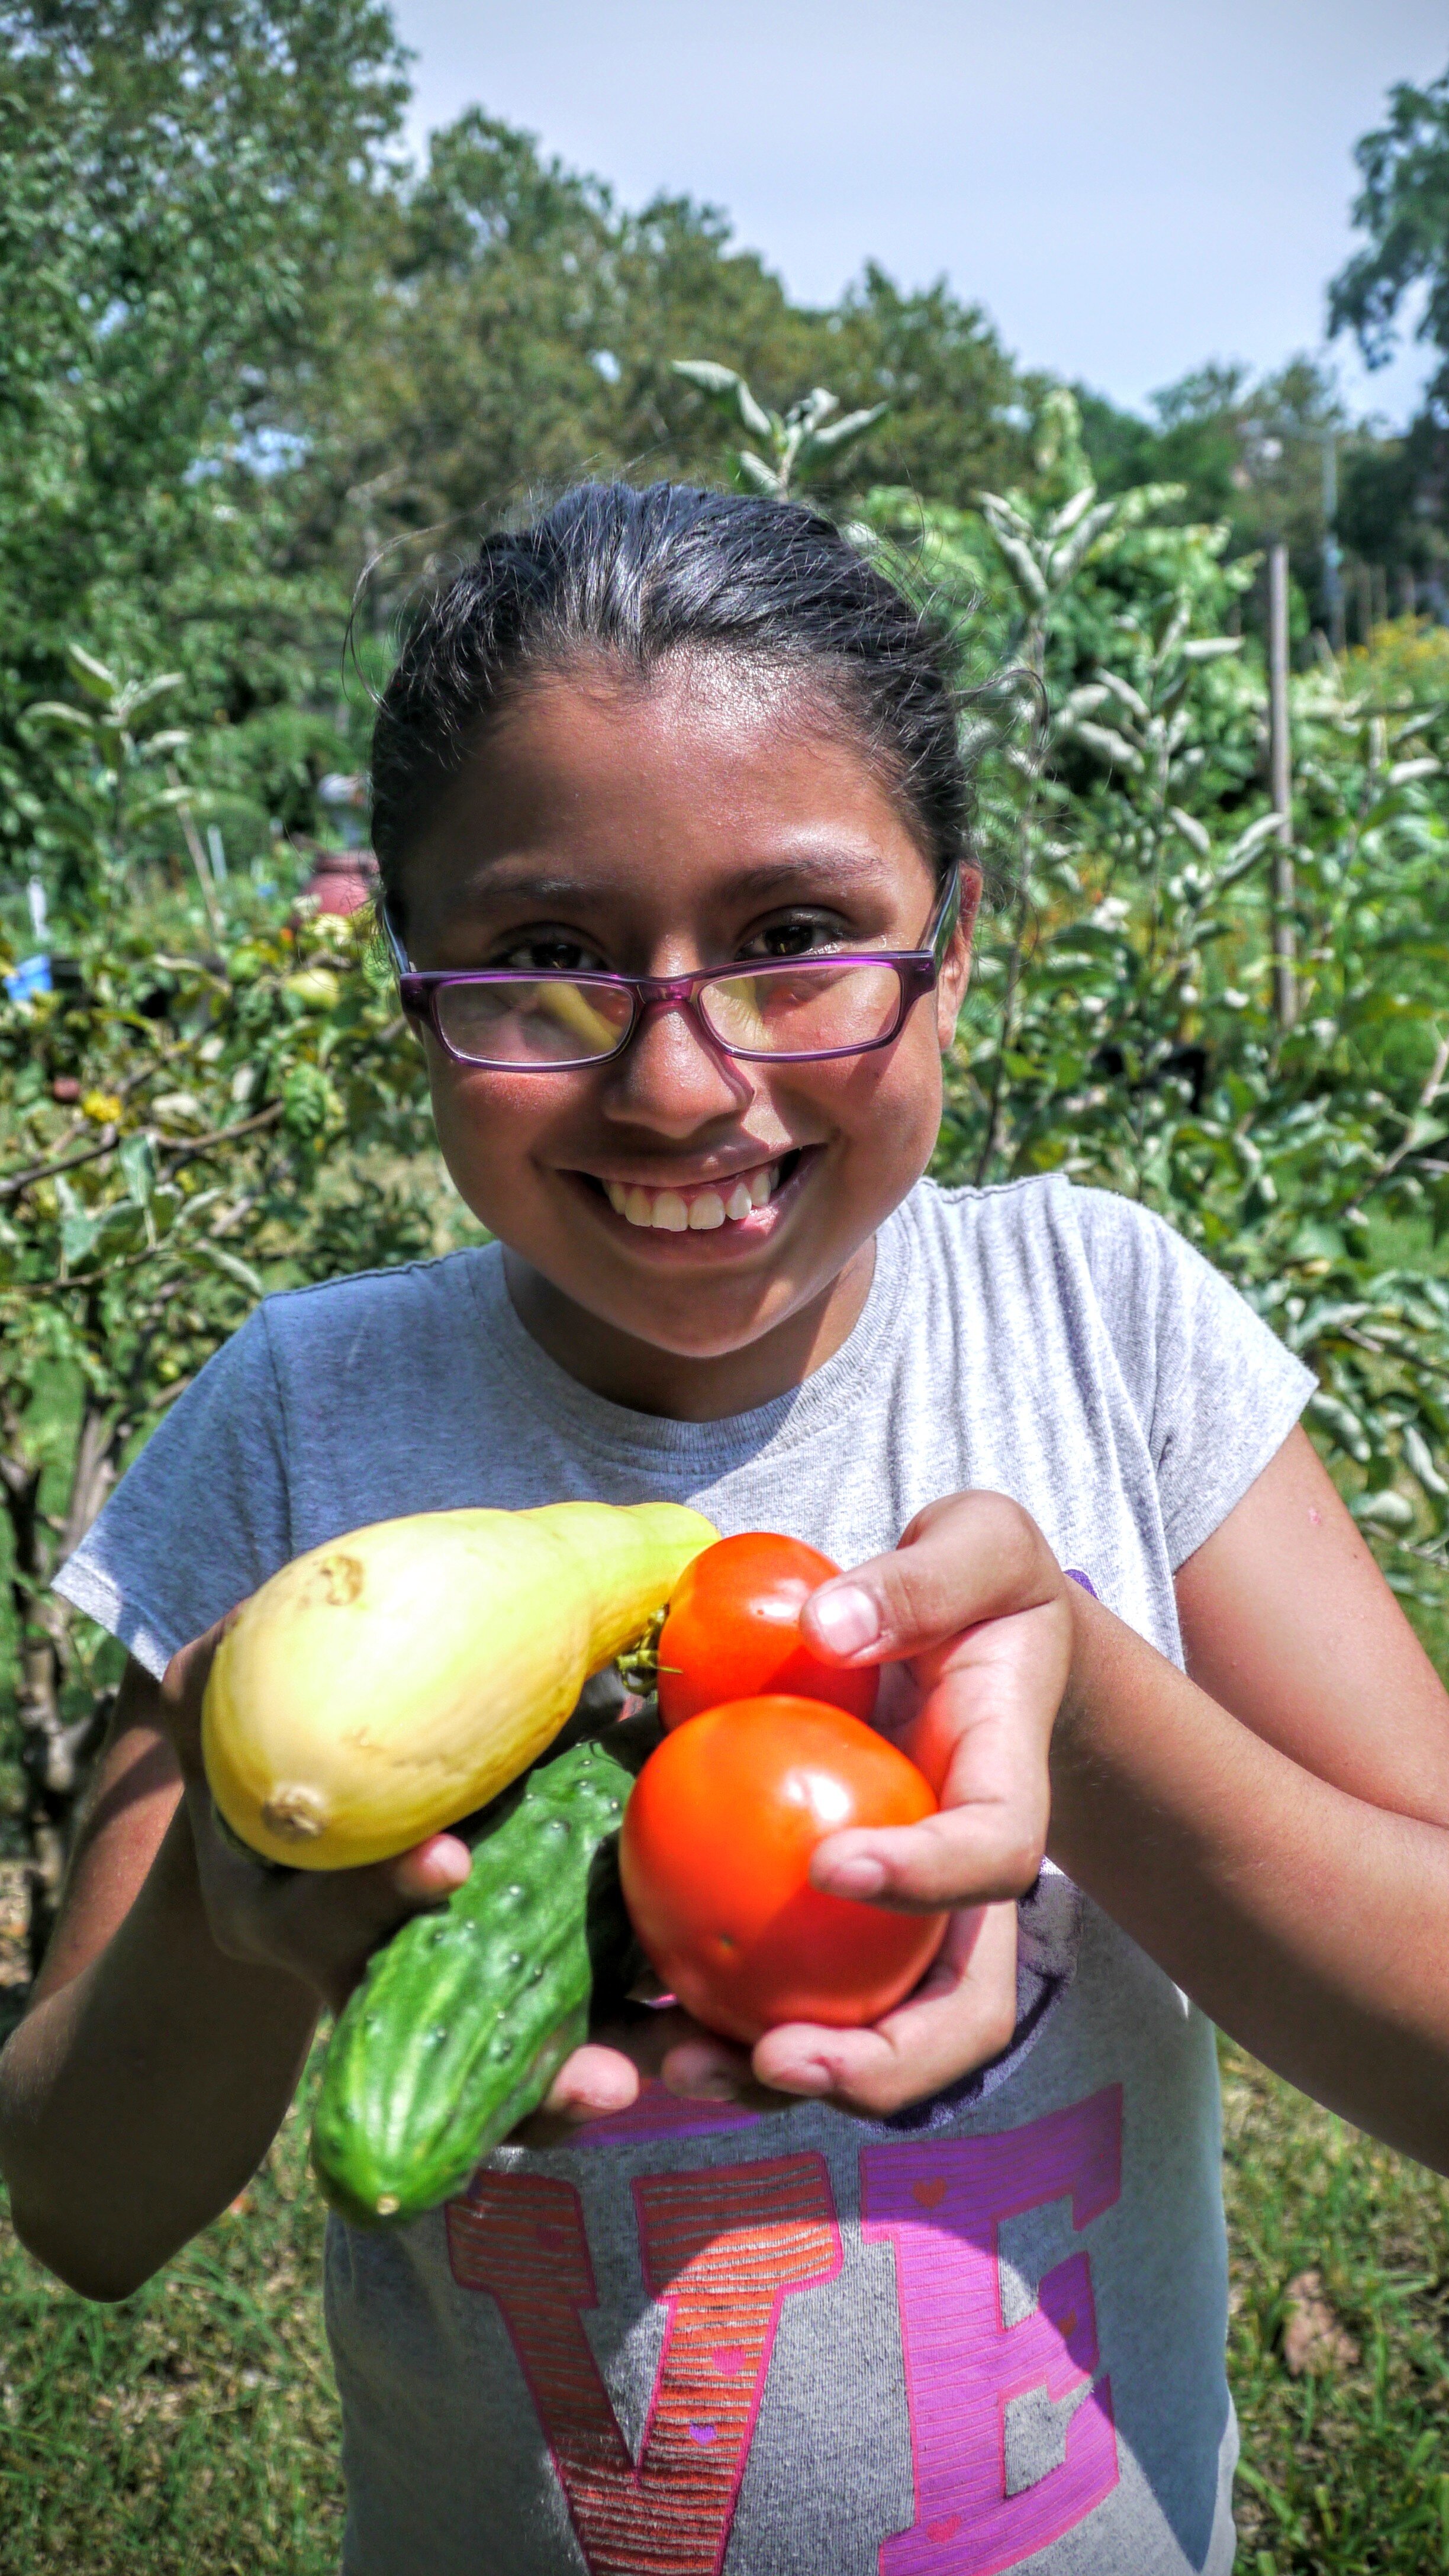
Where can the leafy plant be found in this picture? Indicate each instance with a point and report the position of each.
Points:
(222, 1099)
(1121, 1026)
(798, 441)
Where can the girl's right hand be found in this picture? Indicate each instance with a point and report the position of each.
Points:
(321, 1926)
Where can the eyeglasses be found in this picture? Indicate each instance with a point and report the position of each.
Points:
(804, 1009)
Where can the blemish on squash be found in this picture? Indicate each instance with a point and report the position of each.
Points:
(338, 1580)
(295, 1815)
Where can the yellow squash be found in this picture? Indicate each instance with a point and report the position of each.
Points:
(383, 1686)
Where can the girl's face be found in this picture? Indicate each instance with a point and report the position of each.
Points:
(648, 830)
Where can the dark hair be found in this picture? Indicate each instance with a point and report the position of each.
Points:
(635, 576)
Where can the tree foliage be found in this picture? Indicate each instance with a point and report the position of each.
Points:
(1404, 210)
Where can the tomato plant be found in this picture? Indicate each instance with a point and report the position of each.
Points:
(715, 1857)
(733, 1631)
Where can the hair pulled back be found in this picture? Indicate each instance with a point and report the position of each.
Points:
(615, 574)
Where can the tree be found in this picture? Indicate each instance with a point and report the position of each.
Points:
(1396, 492)
(184, 193)
(1247, 452)
(1403, 207)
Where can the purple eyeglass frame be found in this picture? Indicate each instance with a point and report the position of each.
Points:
(919, 970)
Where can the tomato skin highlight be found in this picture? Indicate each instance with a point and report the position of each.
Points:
(715, 1860)
(733, 1631)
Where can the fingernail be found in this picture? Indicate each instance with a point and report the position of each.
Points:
(863, 1875)
(846, 1618)
(809, 2078)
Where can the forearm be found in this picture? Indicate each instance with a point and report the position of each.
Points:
(136, 2100)
(1312, 1925)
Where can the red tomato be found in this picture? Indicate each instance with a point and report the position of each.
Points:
(733, 1630)
(715, 1859)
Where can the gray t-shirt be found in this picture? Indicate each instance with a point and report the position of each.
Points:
(986, 2334)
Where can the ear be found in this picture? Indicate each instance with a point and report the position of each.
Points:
(956, 967)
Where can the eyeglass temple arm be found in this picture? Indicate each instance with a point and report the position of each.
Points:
(402, 963)
(950, 915)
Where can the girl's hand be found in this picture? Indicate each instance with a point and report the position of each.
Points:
(319, 1925)
(975, 1616)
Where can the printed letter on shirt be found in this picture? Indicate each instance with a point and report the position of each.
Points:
(722, 2249)
(941, 2207)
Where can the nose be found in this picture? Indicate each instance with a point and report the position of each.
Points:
(672, 1077)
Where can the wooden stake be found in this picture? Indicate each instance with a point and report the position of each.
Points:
(1280, 756)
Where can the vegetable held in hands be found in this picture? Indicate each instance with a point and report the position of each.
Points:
(380, 1688)
(464, 2018)
(733, 1631)
(715, 1861)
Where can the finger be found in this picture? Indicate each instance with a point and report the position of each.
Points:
(961, 2016)
(431, 1870)
(972, 1557)
(974, 1854)
(595, 2081)
(705, 2069)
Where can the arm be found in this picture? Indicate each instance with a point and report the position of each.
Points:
(1273, 1827)
(176, 2005)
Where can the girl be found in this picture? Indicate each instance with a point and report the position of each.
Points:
(673, 835)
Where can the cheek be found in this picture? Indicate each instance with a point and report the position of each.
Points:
(486, 1124)
(891, 1103)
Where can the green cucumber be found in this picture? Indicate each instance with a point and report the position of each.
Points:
(465, 2016)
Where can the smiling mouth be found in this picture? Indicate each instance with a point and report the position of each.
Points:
(704, 1207)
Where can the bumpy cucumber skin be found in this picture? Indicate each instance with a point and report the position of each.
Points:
(464, 2018)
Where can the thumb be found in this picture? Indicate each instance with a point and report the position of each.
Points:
(970, 1558)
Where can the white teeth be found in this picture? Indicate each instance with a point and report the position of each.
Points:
(672, 1213)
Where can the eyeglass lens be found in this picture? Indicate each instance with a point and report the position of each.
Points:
(809, 1009)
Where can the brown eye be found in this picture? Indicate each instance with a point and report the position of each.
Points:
(802, 935)
(550, 952)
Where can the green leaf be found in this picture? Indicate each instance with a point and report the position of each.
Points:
(138, 1163)
(231, 1266)
(97, 681)
(54, 711)
(79, 1235)
(1387, 1510)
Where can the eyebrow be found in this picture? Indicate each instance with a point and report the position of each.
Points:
(499, 878)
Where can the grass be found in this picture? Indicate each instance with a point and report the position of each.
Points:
(196, 2425)
(1346, 2468)
(193, 2427)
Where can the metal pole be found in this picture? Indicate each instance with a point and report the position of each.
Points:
(1280, 757)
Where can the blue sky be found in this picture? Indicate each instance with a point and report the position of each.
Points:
(1128, 188)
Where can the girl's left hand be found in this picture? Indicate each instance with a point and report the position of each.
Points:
(975, 1616)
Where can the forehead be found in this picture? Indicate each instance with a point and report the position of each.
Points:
(700, 765)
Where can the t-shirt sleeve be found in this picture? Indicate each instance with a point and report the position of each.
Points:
(201, 1518)
(1214, 1389)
